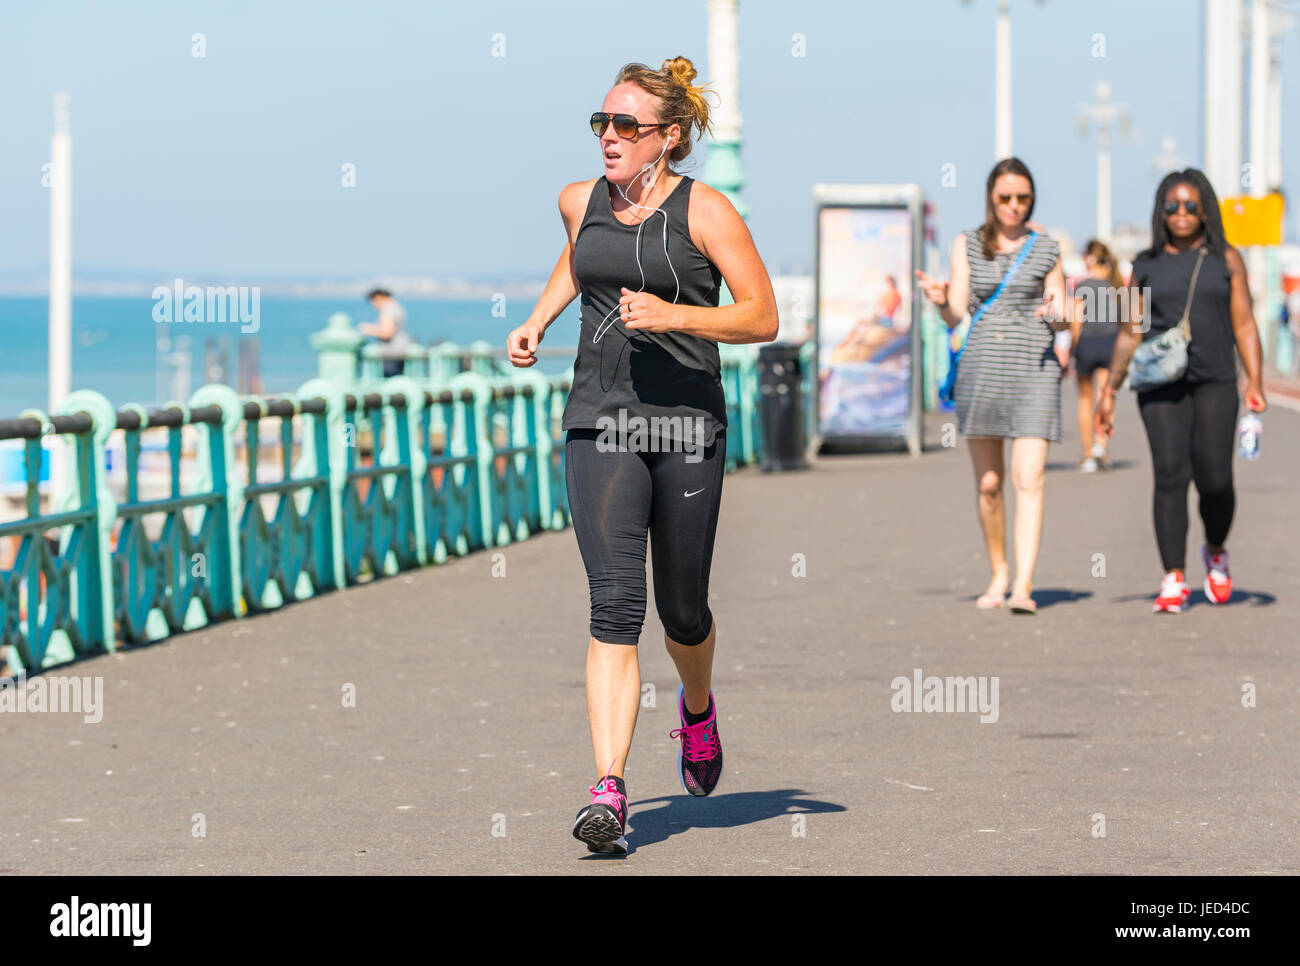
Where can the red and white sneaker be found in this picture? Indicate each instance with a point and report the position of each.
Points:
(1218, 582)
(1174, 594)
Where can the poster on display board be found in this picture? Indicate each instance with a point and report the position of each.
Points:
(868, 309)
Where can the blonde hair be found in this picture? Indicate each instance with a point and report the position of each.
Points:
(679, 100)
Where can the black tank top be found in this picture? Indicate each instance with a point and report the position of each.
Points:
(1100, 318)
(648, 374)
(1210, 355)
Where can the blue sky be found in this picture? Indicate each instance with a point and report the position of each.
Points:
(230, 164)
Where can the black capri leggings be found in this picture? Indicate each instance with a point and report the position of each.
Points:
(1190, 427)
(615, 499)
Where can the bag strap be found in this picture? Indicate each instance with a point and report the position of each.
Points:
(1185, 323)
(1015, 267)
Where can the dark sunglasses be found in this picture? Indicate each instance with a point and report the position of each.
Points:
(1023, 199)
(625, 125)
(1171, 207)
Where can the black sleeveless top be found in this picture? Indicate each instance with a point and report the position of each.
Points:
(1100, 320)
(1210, 356)
(648, 374)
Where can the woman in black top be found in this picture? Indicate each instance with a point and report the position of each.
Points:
(646, 248)
(1098, 301)
(1190, 422)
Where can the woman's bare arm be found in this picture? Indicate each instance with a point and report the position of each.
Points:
(561, 288)
(724, 239)
(1244, 329)
(1054, 309)
(959, 286)
(1126, 341)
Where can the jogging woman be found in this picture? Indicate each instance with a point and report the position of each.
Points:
(1190, 268)
(646, 249)
(1009, 378)
(1094, 328)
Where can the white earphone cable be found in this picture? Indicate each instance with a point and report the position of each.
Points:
(607, 322)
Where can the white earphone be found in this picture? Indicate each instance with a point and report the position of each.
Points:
(608, 321)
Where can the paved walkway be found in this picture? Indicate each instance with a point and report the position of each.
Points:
(470, 718)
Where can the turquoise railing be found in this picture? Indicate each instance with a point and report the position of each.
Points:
(176, 517)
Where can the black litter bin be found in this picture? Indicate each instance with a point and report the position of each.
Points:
(780, 407)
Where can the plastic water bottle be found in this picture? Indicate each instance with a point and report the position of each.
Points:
(1248, 433)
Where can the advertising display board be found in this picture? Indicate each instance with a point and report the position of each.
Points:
(867, 327)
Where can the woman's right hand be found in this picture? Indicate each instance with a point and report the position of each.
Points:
(935, 289)
(1103, 420)
(522, 344)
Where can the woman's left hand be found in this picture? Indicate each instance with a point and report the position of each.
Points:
(1255, 400)
(1053, 308)
(643, 312)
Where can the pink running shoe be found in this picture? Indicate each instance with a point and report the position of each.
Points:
(601, 823)
(700, 764)
(1174, 594)
(1218, 582)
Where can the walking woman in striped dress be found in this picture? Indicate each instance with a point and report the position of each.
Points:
(1009, 379)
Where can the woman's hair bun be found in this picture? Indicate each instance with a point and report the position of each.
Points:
(681, 69)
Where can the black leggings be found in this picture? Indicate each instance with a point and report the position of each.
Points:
(615, 499)
(1191, 428)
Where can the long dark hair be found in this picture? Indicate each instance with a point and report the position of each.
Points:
(1005, 166)
(1211, 219)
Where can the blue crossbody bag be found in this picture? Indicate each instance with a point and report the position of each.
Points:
(946, 390)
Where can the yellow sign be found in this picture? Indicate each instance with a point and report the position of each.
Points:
(1253, 221)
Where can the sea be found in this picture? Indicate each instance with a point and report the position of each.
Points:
(118, 348)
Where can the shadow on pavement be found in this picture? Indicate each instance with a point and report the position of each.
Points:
(682, 812)
(1253, 598)
(1050, 596)
(1053, 595)
(1056, 466)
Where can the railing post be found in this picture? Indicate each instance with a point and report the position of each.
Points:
(336, 348)
(445, 360)
(324, 452)
(478, 437)
(91, 583)
(538, 437)
(411, 450)
(215, 473)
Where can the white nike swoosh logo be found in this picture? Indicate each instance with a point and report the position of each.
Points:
(701, 490)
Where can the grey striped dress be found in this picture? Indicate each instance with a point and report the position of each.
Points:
(1009, 380)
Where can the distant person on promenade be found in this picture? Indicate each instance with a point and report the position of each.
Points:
(1093, 329)
(390, 329)
(1008, 383)
(1190, 271)
(646, 249)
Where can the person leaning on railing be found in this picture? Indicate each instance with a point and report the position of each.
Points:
(390, 329)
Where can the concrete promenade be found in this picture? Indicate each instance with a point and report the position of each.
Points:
(467, 749)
